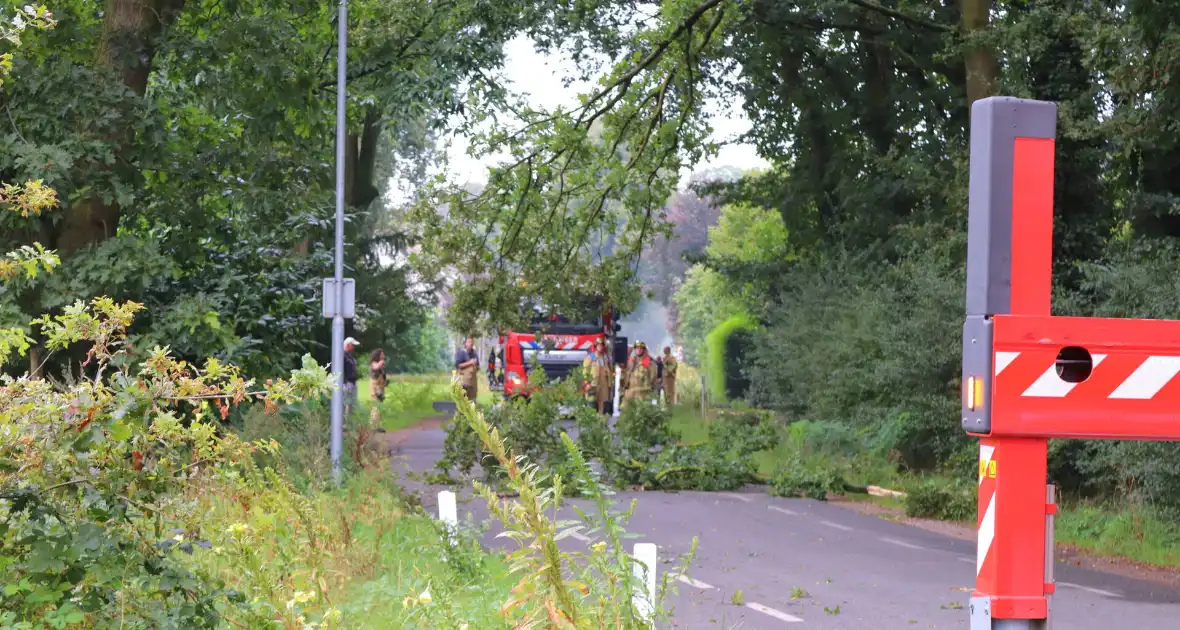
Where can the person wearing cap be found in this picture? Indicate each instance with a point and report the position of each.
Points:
(467, 365)
(596, 376)
(641, 374)
(350, 345)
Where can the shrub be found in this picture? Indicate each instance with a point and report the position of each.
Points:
(533, 426)
(850, 341)
(940, 499)
(98, 478)
(825, 438)
(724, 462)
(919, 437)
(794, 478)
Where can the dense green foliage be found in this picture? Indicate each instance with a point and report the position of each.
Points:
(862, 109)
(178, 155)
(643, 450)
(702, 303)
(97, 506)
(195, 167)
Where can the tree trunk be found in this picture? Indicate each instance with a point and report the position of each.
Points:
(128, 45)
(878, 79)
(360, 162)
(983, 72)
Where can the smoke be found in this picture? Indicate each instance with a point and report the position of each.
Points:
(648, 324)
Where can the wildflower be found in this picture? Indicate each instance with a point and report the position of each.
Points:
(303, 597)
(238, 528)
(598, 546)
(425, 597)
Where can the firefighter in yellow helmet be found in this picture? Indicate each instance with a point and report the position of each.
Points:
(597, 376)
(641, 374)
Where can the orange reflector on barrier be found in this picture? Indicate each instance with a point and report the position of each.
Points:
(974, 392)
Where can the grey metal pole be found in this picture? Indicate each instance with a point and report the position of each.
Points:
(1050, 552)
(337, 442)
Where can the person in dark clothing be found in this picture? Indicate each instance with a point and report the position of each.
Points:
(659, 383)
(350, 345)
(467, 365)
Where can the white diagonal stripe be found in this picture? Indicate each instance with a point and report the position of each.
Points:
(691, 582)
(1096, 591)
(987, 531)
(1004, 359)
(901, 543)
(1148, 379)
(732, 495)
(1050, 385)
(777, 614)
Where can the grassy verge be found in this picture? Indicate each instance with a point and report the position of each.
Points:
(295, 552)
(1134, 532)
(410, 398)
(341, 558)
(304, 553)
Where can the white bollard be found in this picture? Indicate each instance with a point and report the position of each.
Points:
(644, 597)
(448, 513)
(448, 510)
(618, 384)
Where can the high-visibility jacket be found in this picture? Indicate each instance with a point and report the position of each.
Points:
(598, 377)
(641, 375)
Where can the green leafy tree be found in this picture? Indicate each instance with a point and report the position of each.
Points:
(748, 234)
(702, 302)
(195, 169)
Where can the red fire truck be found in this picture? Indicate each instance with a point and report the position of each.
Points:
(558, 345)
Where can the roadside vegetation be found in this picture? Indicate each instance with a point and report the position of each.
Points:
(178, 496)
(175, 157)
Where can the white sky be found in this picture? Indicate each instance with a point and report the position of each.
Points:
(540, 76)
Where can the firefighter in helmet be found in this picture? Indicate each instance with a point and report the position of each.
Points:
(596, 383)
(641, 374)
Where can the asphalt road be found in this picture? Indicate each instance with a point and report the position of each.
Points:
(808, 564)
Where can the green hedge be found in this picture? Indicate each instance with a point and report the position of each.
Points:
(717, 360)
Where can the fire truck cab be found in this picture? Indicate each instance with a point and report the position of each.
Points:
(558, 345)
